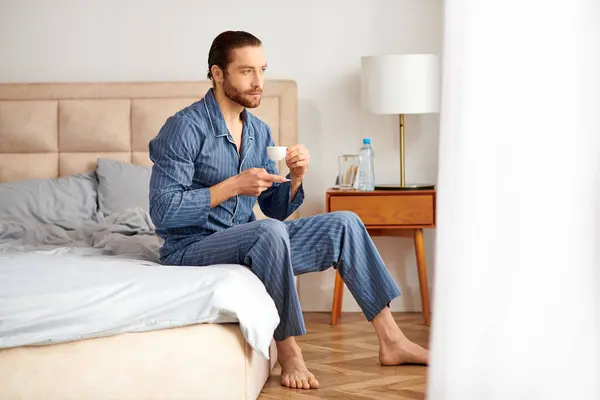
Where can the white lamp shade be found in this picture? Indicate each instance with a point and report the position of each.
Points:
(401, 83)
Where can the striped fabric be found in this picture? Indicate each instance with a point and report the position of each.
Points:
(276, 251)
(194, 151)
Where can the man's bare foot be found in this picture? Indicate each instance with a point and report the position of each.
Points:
(394, 347)
(402, 351)
(294, 373)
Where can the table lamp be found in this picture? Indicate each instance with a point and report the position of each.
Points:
(401, 84)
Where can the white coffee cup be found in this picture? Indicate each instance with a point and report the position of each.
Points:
(276, 153)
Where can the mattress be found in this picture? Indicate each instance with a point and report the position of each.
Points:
(55, 296)
(204, 361)
(99, 319)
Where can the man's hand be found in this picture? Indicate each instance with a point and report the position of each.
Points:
(251, 182)
(254, 181)
(297, 160)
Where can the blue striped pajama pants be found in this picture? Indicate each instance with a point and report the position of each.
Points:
(276, 251)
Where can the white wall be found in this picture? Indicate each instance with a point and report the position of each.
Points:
(133, 40)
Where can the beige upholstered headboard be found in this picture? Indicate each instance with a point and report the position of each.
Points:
(49, 130)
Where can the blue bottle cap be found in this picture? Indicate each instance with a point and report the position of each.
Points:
(366, 141)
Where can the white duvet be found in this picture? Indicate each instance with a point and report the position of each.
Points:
(102, 279)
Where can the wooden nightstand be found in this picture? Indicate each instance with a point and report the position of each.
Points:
(388, 213)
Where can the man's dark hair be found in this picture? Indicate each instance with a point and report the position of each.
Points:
(223, 45)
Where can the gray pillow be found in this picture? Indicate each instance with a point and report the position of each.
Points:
(122, 185)
(66, 202)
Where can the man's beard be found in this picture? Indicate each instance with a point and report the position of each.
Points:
(238, 97)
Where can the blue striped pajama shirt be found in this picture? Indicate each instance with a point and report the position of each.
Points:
(194, 151)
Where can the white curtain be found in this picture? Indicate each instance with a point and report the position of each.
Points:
(516, 305)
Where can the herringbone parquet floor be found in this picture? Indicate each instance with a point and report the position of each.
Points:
(344, 358)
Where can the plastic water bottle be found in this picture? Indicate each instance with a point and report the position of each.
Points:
(366, 167)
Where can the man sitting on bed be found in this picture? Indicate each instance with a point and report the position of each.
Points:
(210, 169)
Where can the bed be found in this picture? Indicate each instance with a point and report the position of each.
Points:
(86, 310)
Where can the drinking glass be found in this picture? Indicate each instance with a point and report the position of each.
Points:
(347, 170)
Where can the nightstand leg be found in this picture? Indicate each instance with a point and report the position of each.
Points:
(422, 269)
(338, 291)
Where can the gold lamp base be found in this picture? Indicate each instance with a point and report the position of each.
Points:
(412, 186)
(403, 185)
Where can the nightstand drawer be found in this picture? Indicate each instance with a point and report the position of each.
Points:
(388, 210)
